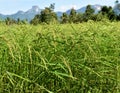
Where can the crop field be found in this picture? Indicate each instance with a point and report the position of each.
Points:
(60, 58)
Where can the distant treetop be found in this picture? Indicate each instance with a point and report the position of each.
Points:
(116, 1)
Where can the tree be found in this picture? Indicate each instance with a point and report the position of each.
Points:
(72, 16)
(7, 21)
(36, 20)
(111, 14)
(25, 21)
(118, 17)
(79, 18)
(46, 16)
(10, 21)
(116, 2)
(104, 10)
(117, 8)
(52, 6)
(64, 18)
(88, 13)
(108, 12)
(98, 17)
(18, 21)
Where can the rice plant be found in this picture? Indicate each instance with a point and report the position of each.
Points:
(69, 58)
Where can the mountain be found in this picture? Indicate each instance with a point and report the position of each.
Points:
(96, 7)
(116, 9)
(29, 14)
(59, 14)
(2, 16)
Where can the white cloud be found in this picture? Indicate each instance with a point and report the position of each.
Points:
(66, 7)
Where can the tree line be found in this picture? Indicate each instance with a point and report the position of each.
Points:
(10, 21)
(48, 16)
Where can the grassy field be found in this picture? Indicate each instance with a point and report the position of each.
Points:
(69, 58)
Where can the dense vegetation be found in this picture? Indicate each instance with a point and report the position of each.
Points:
(48, 15)
(76, 53)
(69, 58)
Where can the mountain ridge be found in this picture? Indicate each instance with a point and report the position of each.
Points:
(30, 13)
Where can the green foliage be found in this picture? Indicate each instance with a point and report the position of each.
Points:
(72, 16)
(99, 17)
(64, 18)
(19, 22)
(80, 18)
(52, 6)
(69, 58)
(88, 13)
(10, 21)
(36, 20)
(108, 11)
(46, 16)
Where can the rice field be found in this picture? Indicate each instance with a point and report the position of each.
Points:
(60, 58)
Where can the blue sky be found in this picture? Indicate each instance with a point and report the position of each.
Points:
(12, 6)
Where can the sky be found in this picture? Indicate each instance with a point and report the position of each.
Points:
(12, 6)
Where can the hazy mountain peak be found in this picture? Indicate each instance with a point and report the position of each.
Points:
(29, 14)
(96, 7)
(34, 9)
(20, 12)
(117, 9)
